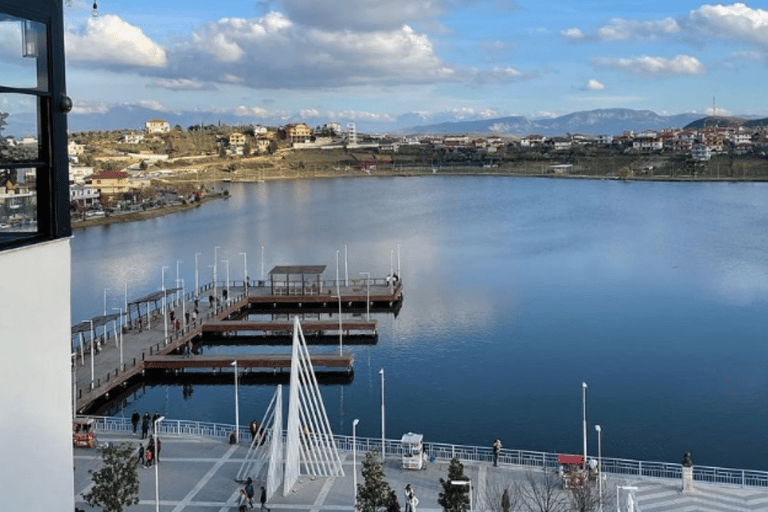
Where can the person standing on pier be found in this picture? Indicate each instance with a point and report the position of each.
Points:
(145, 425)
(141, 454)
(263, 499)
(135, 420)
(496, 451)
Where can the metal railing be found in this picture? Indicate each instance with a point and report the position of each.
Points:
(442, 452)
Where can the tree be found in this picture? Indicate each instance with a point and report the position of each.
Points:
(374, 493)
(454, 498)
(116, 484)
(542, 493)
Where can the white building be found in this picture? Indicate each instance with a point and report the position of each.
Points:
(73, 148)
(35, 329)
(700, 153)
(352, 134)
(81, 195)
(157, 126)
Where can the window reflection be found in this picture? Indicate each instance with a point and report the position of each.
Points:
(22, 53)
(19, 129)
(18, 200)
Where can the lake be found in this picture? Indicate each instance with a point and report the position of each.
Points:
(516, 291)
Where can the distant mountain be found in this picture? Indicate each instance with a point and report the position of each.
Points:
(720, 121)
(592, 122)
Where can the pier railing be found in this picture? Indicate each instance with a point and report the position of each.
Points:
(443, 452)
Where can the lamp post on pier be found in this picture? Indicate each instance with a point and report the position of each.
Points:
(599, 465)
(215, 263)
(197, 275)
(227, 287)
(162, 287)
(177, 276)
(122, 367)
(93, 349)
(245, 272)
(367, 295)
(105, 300)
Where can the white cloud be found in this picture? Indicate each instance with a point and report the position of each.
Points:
(594, 85)
(309, 112)
(736, 21)
(659, 66)
(572, 33)
(152, 105)
(620, 29)
(181, 84)
(110, 41)
(364, 15)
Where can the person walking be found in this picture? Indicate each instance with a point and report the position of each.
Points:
(496, 451)
(141, 454)
(263, 499)
(135, 420)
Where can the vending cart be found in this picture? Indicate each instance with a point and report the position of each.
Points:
(413, 451)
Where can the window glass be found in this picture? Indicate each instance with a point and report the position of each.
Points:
(19, 128)
(18, 200)
(23, 54)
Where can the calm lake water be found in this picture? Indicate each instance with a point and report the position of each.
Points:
(516, 291)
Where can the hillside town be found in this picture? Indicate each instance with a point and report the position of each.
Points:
(160, 166)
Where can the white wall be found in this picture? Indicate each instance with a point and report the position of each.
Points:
(35, 379)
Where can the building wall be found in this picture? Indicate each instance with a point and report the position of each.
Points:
(35, 378)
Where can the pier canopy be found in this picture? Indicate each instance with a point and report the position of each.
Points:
(297, 279)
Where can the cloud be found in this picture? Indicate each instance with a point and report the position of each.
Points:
(364, 15)
(572, 34)
(620, 29)
(593, 85)
(737, 21)
(274, 52)
(112, 42)
(658, 66)
(181, 84)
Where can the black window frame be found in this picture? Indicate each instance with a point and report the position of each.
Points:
(52, 167)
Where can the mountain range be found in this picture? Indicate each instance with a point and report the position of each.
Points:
(592, 122)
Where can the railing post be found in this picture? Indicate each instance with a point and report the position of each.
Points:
(640, 468)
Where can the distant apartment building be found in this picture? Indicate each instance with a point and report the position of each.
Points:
(700, 152)
(297, 132)
(532, 141)
(157, 126)
(81, 195)
(236, 139)
(75, 149)
(259, 130)
(133, 138)
(109, 182)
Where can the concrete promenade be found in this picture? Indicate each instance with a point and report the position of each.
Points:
(197, 474)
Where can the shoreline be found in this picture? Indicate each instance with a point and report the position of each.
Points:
(159, 212)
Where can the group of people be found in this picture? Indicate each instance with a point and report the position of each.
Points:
(151, 454)
(146, 422)
(247, 494)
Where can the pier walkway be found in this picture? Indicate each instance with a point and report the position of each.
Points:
(98, 375)
(197, 474)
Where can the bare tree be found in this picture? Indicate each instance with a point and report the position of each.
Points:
(588, 499)
(494, 498)
(542, 492)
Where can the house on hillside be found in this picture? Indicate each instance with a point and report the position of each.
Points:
(157, 126)
(297, 132)
(109, 182)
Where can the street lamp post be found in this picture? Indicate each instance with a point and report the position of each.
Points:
(177, 277)
(468, 483)
(162, 288)
(165, 320)
(183, 302)
(338, 292)
(599, 465)
(227, 263)
(197, 275)
(93, 349)
(122, 368)
(105, 300)
(157, 476)
(354, 460)
(367, 295)
(215, 263)
(245, 272)
(215, 291)
(237, 407)
(383, 451)
(584, 417)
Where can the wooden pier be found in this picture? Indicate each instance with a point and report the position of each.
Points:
(146, 347)
(249, 361)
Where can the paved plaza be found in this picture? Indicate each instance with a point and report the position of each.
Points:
(197, 474)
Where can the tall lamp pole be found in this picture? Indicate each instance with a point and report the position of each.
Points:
(157, 476)
(383, 451)
(105, 301)
(93, 349)
(354, 460)
(122, 367)
(237, 406)
(584, 417)
(197, 275)
(599, 465)
(367, 295)
(245, 272)
(227, 262)
(177, 278)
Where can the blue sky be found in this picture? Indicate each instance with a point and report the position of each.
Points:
(376, 60)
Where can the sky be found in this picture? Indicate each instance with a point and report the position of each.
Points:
(431, 60)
